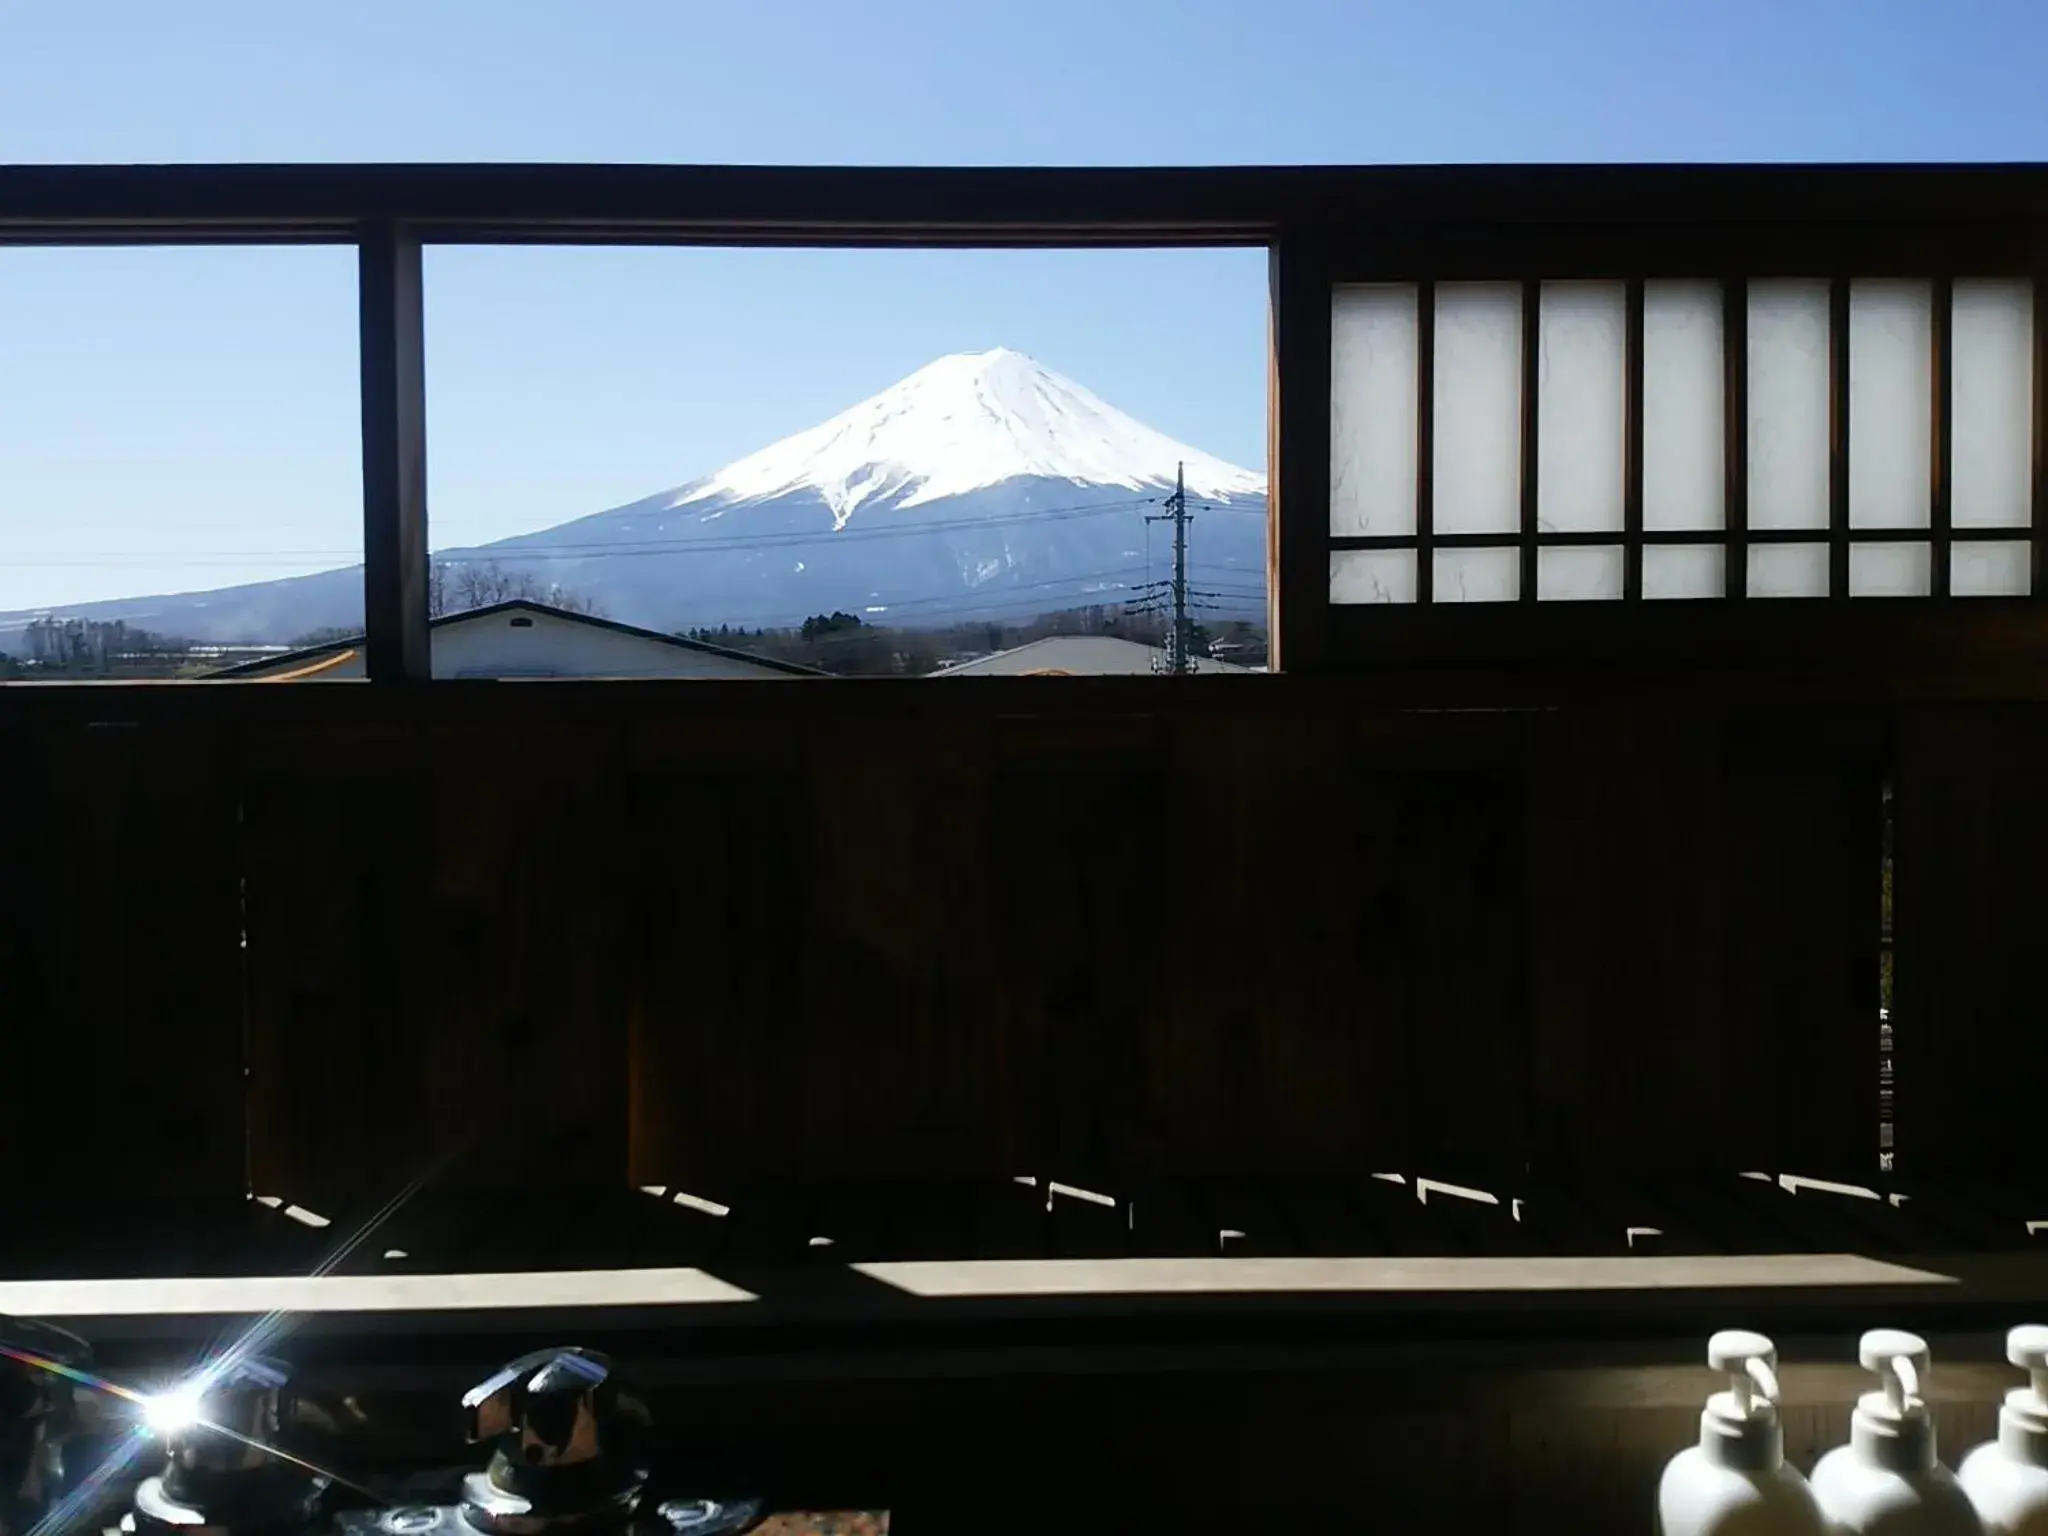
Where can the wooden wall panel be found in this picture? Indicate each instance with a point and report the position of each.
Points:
(436, 993)
(1348, 992)
(1971, 965)
(815, 993)
(119, 962)
(1624, 815)
(527, 911)
(723, 892)
(1085, 938)
(336, 847)
(1802, 843)
(1703, 947)
(1082, 903)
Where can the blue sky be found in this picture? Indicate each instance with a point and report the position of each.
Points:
(178, 419)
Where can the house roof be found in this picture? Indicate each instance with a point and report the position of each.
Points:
(300, 662)
(1079, 655)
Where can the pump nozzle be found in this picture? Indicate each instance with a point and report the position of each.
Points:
(1892, 1428)
(1739, 1426)
(1751, 1363)
(1900, 1360)
(2027, 1348)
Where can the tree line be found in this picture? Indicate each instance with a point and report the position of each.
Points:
(849, 645)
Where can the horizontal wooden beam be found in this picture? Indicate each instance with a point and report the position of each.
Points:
(968, 206)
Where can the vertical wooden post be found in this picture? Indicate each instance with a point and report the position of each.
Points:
(1838, 439)
(1632, 443)
(1425, 442)
(2038, 492)
(1941, 367)
(394, 389)
(1735, 432)
(1298, 456)
(1531, 439)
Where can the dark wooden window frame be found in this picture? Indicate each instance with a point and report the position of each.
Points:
(1322, 226)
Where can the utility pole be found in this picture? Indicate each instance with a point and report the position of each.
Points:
(1179, 646)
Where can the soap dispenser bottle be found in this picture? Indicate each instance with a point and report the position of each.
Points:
(2007, 1479)
(1736, 1479)
(1888, 1479)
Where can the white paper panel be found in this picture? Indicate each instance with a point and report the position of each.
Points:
(1992, 377)
(1683, 464)
(1891, 337)
(1577, 574)
(2001, 569)
(1477, 575)
(1788, 570)
(1788, 404)
(1372, 576)
(1372, 409)
(1890, 570)
(1684, 570)
(1478, 405)
(1581, 407)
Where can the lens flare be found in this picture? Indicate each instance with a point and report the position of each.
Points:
(169, 1413)
(183, 1407)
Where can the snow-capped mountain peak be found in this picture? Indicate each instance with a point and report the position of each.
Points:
(967, 421)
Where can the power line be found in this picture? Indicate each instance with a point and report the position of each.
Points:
(591, 549)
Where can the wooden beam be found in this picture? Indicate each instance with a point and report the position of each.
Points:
(1838, 439)
(394, 387)
(1501, 208)
(1632, 443)
(1425, 443)
(1941, 425)
(1735, 433)
(1298, 497)
(1531, 430)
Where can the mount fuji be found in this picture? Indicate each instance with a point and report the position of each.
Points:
(982, 484)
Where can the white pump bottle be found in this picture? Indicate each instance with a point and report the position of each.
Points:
(1888, 1480)
(2007, 1480)
(1736, 1479)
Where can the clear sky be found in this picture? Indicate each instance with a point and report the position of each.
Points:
(179, 419)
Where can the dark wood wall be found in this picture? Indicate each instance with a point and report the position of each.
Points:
(329, 940)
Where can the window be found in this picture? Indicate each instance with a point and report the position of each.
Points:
(1570, 441)
(180, 459)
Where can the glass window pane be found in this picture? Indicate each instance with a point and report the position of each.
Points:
(180, 461)
(1992, 391)
(1477, 400)
(856, 508)
(1372, 576)
(1788, 570)
(1685, 570)
(2001, 569)
(1890, 404)
(1683, 402)
(1890, 570)
(1788, 404)
(1477, 575)
(1372, 409)
(1570, 574)
(1580, 407)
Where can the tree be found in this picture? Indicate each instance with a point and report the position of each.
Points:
(457, 586)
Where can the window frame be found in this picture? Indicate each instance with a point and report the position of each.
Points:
(1320, 225)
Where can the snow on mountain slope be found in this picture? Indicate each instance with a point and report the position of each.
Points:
(964, 423)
